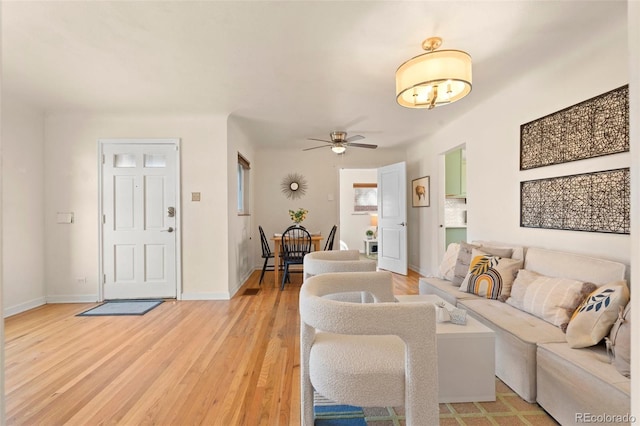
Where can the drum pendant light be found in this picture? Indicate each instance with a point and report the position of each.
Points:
(435, 78)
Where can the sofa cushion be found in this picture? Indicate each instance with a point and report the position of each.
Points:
(464, 259)
(490, 276)
(619, 341)
(522, 325)
(549, 298)
(563, 375)
(575, 266)
(446, 290)
(517, 252)
(593, 320)
(448, 264)
(593, 360)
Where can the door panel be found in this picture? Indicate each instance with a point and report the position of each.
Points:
(392, 218)
(123, 194)
(392, 240)
(139, 201)
(154, 203)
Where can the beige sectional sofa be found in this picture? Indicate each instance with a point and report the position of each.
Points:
(533, 356)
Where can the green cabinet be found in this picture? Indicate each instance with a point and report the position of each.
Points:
(455, 174)
(455, 235)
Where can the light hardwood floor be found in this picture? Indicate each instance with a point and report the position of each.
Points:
(191, 362)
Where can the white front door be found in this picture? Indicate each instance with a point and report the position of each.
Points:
(139, 218)
(392, 218)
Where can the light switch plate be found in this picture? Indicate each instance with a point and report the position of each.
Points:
(64, 217)
(195, 196)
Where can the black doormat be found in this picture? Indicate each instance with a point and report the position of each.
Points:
(122, 307)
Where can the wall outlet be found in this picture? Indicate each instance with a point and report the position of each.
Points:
(81, 281)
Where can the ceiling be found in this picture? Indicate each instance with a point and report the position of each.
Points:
(286, 70)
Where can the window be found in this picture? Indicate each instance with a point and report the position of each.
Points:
(365, 197)
(243, 184)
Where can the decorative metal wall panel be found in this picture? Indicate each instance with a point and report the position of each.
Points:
(598, 126)
(594, 202)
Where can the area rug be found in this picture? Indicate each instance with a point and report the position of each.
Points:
(507, 409)
(122, 307)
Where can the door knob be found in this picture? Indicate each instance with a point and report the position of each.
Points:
(402, 224)
(169, 229)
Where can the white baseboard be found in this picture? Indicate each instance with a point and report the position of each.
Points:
(82, 298)
(419, 271)
(23, 307)
(205, 296)
(31, 304)
(243, 281)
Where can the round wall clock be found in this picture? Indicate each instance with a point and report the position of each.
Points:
(294, 186)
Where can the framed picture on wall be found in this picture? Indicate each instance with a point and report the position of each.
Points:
(420, 193)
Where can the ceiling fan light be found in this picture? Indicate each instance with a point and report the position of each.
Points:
(419, 78)
(338, 148)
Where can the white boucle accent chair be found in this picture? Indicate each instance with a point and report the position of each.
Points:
(323, 262)
(367, 354)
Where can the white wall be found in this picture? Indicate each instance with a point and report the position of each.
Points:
(491, 133)
(241, 254)
(353, 225)
(22, 207)
(634, 117)
(320, 168)
(71, 185)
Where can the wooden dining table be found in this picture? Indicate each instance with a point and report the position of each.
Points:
(277, 242)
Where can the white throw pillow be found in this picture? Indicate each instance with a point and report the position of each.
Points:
(448, 264)
(462, 262)
(549, 298)
(594, 318)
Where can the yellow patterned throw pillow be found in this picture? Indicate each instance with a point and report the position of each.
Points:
(594, 318)
(490, 276)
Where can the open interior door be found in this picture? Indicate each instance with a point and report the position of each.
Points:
(392, 218)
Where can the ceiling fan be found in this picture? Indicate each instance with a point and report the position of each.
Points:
(339, 142)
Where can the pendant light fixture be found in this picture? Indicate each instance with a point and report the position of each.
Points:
(435, 78)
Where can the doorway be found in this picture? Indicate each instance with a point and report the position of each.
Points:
(455, 201)
(139, 218)
(354, 223)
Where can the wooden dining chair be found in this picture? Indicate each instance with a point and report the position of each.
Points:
(266, 254)
(330, 238)
(296, 243)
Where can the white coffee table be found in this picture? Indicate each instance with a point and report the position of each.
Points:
(466, 357)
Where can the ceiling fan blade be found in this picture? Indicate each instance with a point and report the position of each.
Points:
(319, 140)
(363, 145)
(316, 147)
(354, 138)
